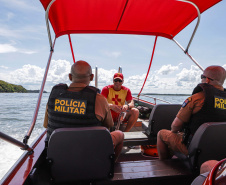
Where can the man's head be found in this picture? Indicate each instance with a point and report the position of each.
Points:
(118, 81)
(81, 72)
(214, 75)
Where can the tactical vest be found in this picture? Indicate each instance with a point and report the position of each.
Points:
(71, 109)
(213, 109)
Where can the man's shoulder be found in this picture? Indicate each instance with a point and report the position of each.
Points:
(199, 95)
(101, 98)
(125, 88)
(60, 86)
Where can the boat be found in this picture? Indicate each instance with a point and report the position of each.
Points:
(48, 163)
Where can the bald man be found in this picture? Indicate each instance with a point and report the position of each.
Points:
(80, 105)
(205, 105)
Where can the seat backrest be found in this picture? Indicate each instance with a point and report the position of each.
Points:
(162, 117)
(81, 154)
(208, 143)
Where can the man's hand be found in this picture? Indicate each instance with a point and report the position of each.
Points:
(125, 108)
(115, 108)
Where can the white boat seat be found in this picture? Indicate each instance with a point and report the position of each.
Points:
(161, 117)
(80, 154)
(208, 143)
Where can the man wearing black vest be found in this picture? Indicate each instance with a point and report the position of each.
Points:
(80, 105)
(207, 104)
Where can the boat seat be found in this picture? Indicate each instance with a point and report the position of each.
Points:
(161, 117)
(80, 154)
(208, 143)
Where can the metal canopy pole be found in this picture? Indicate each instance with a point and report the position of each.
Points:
(96, 77)
(47, 23)
(189, 55)
(197, 24)
(39, 98)
(25, 140)
(120, 69)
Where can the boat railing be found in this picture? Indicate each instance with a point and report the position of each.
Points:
(16, 142)
(155, 99)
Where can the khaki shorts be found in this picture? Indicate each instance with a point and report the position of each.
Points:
(117, 137)
(173, 141)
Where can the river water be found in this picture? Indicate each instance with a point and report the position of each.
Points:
(16, 113)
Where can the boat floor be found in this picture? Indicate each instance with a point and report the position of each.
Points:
(132, 167)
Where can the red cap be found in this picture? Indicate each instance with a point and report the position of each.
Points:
(118, 75)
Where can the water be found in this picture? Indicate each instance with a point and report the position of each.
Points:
(16, 112)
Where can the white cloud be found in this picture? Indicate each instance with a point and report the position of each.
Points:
(30, 76)
(8, 48)
(167, 69)
(4, 67)
(10, 15)
(20, 5)
(114, 54)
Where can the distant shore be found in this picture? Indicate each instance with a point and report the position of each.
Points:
(6, 87)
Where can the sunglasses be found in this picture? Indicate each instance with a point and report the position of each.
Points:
(203, 76)
(117, 80)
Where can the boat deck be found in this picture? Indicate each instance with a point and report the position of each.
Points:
(133, 167)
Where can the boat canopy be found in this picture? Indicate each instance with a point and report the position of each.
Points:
(164, 18)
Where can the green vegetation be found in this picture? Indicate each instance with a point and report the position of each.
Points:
(7, 87)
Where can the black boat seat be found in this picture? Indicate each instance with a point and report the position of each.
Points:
(160, 118)
(208, 143)
(200, 179)
(80, 154)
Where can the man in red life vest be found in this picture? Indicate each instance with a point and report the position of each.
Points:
(117, 95)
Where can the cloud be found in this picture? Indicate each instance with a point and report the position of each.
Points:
(8, 48)
(167, 69)
(10, 15)
(4, 67)
(114, 54)
(183, 82)
(19, 5)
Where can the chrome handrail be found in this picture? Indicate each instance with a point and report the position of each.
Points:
(16, 142)
(156, 99)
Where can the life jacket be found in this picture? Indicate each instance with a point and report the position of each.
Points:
(71, 109)
(213, 109)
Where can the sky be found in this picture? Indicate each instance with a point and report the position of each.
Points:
(24, 51)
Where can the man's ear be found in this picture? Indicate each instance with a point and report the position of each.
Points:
(91, 77)
(70, 76)
(207, 80)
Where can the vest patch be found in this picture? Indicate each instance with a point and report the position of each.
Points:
(70, 106)
(219, 103)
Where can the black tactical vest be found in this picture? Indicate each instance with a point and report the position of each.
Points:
(71, 109)
(213, 109)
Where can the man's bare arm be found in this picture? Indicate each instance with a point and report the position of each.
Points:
(176, 125)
